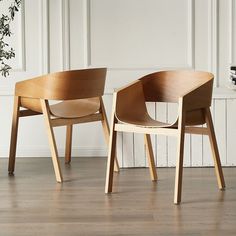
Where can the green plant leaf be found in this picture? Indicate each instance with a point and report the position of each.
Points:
(6, 53)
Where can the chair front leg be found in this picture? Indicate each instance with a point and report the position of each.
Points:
(14, 131)
(69, 129)
(106, 132)
(214, 148)
(150, 157)
(51, 138)
(110, 161)
(111, 149)
(180, 155)
(179, 168)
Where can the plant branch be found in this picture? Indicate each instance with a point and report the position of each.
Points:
(7, 52)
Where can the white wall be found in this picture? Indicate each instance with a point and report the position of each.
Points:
(131, 38)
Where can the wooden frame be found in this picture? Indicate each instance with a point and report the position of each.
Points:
(192, 90)
(81, 91)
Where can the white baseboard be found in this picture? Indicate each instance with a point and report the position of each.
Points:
(45, 152)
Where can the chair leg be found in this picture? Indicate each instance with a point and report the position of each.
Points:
(110, 161)
(14, 131)
(214, 148)
(180, 155)
(150, 157)
(106, 132)
(69, 129)
(52, 142)
(111, 149)
(179, 169)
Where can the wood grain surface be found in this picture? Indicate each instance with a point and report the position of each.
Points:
(32, 203)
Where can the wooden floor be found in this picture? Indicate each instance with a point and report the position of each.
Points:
(32, 203)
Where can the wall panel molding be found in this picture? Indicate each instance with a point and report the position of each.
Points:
(120, 67)
(191, 34)
(213, 32)
(87, 26)
(65, 32)
(233, 33)
(21, 67)
(45, 36)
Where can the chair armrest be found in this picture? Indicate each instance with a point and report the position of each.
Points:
(130, 101)
(199, 97)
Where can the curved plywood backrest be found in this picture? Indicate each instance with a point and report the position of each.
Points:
(169, 86)
(66, 85)
(131, 102)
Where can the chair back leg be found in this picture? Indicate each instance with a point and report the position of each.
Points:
(69, 130)
(150, 157)
(52, 142)
(214, 149)
(14, 131)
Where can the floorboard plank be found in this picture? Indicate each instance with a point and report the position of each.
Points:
(32, 203)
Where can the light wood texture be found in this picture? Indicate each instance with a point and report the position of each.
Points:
(52, 141)
(111, 149)
(215, 151)
(65, 121)
(14, 131)
(29, 113)
(106, 130)
(192, 90)
(180, 154)
(66, 85)
(150, 157)
(75, 108)
(32, 104)
(141, 130)
(69, 131)
(80, 92)
(196, 130)
(169, 86)
(33, 204)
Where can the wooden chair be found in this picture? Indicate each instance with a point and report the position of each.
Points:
(80, 94)
(191, 90)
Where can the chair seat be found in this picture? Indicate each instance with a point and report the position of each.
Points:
(146, 122)
(195, 117)
(75, 108)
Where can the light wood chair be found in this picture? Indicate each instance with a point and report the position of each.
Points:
(79, 95)
(191, 90)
